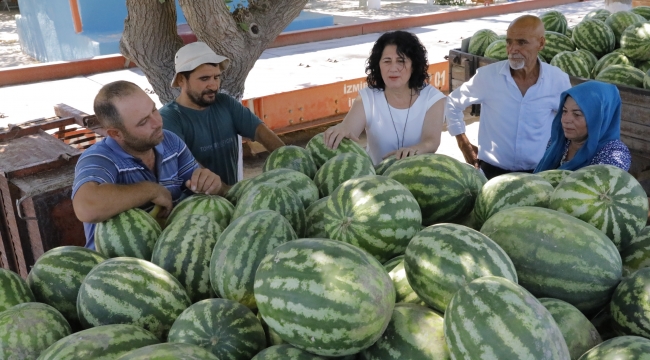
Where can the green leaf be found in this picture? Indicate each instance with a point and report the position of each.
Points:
(244, 26)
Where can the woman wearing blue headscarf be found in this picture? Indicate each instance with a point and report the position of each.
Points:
(588, 130)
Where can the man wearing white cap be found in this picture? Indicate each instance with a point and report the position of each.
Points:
(208, 121)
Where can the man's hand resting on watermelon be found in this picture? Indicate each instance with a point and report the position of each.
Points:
(204, 181)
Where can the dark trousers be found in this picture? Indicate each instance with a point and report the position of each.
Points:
(491, 171)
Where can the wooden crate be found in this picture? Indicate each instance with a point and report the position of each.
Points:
(635, 110)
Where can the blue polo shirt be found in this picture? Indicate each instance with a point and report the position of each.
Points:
(107, 162)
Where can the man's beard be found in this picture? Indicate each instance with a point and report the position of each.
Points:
(516, 63)
(199, 100)
(142, 145)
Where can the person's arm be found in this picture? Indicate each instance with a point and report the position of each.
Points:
(94, 202)
(431, 132)
(351, 127)
(267, 138)
(467, 94)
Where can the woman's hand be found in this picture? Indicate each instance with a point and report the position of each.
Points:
(334, 135)
(403, 153)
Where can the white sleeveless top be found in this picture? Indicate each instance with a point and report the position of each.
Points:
(382, 136)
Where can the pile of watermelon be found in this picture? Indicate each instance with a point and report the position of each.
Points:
(609, 47)
(319, 257)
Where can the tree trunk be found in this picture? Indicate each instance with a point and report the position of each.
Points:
(150, 37)
(150, 40)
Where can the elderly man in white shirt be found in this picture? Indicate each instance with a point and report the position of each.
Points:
(519, 98)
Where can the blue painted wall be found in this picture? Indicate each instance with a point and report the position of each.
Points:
(46, 30)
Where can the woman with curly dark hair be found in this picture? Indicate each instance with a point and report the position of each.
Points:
(401, 113)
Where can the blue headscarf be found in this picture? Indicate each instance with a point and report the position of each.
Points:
(601, 106)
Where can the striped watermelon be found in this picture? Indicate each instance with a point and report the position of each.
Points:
(630, 304)
(57, 275)
(606, 197)
(554, 21)
(511, 190)
(184, 250)
(240, 249)
(29, 328)
(582, 272)
(554, 177)
(375, 213)
(444, 187)
(268, 196)
(480, 41)
(620, 348)
(215, 207)
(385, 164)
(620, 20)
(497, 50)
(414, 332)
(285, 352)
(569, 32)
(589, 58)
(580, 335)
(636, 255)
(443, 258)
(169, 351)
(226, 328)
(613, 58)
(599, 14)
(321, 153)
(132, 233)
(555, 43)
(341, 168)
(643, 11)
(291, 157)
(236, 191)
(316, 219)
(595, 36)
(494, 318)
(131, 291)
(13, 290)
(571, 63)
(298, 182)
(622, 75)
(272, 338)
(107, 342)
(403, 291)
(324, 296)
(635, 41)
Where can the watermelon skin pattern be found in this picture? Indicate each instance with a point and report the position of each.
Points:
(595, 36)
(620, 348)
(226, 328)
(241, 248)
(443, 258)
(480, 41)
(599, 14)
(321, 153)
(324, 296)
(105, 342)
(375, 213)
(286, 352)
(635, 41)
(291, 157)
(554, 21)
(580, 334)
(626, 75)
(184, 249)
(414, 332)
(620, 20)
(340, 168)
(29, 328)
(555, 43)
(65, 266)
(404, 293)
(554, 177)
(497, 50)
(121, 291)
(630, 304)
(444, 187)
(13, 290)
(315, 219)
(169, 351)
(215, 207)
(298, 182)
(571, 63)
(268, 196)
(636, 255)
(480, 323)
(132, 233)
(606, 197)
(583, 272)
(613, 58)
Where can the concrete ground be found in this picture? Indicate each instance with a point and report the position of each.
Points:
(282, 69)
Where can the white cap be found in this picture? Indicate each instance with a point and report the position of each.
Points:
(195, 54)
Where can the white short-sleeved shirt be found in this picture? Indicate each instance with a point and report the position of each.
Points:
(385, 134)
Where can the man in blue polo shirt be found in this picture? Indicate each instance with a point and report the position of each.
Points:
(137, 165)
